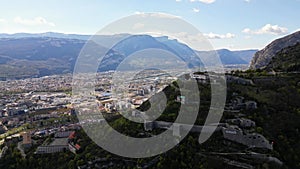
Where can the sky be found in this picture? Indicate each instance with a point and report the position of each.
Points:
(231, 24)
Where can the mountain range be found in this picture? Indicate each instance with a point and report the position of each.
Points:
(46, 34)
(33, 55)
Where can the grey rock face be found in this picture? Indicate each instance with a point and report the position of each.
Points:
(264, 56)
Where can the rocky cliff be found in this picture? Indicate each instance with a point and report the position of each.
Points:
(263, 57)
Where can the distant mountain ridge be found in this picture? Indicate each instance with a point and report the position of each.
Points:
(42, 56)
(55, 53)
(264, 56)
(228, 57)
(46, 34)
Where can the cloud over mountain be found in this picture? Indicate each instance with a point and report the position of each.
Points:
(219, 36)
(267, 29)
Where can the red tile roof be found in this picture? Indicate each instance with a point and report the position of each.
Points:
(72, 135)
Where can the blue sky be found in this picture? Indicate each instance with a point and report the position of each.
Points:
(232, 24)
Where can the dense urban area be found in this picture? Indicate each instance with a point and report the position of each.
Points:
(39, 126)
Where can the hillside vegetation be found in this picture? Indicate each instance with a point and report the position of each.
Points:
(287, 60)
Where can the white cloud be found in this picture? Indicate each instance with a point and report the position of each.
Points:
(274, 29)
(267, 29)
(248, 37)
(247, 30)
(33, 22)
(219, 36)
(247, 0)
(138, 13)
(196, 10)
(2, 20)
(204, 1)
(178, 0)
(157, 15)
(138, 26)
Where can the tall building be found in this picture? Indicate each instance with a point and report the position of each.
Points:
(27, 142)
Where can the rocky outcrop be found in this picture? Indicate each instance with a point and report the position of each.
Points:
(287, 60)
(263, 57)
